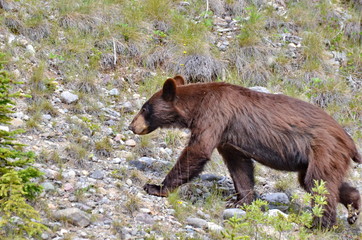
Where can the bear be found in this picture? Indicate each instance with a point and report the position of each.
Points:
(276, 130)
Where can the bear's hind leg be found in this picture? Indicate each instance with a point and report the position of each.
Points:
(241, 170)
(351, 199)
(318, 173)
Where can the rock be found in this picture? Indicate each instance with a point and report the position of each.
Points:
(73, 215)
(126, 107)
(69, 175)
(46, 117)
(231, 212)
(211, 177)
(112, 112)
(196, 222)
(68, 97)
(275, 213)
(150, 164)
(17, 122)
(113, 92)
(97, 174)
(4, 128)
(131, 143)
(278, 198)
(260, 89)
(214, 227)
(48, 186)
(129, 182)
(144, 218)
(44, 236)
(30, 49)
(184, 4)
(68, 187)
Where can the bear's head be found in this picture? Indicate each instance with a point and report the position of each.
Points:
(159, 111)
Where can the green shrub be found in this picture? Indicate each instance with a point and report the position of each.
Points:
(18, 218)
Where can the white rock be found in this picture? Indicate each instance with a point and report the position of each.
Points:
(231, 212)
(114, 92)
(68, 97)
(260, 89)
(214, 227)
(275, 213)
(74, 216)
(130, 143)
(11, 38)
(30, 49)
(129, 182)
(4, 128)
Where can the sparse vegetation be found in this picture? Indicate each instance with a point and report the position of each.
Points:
(306, 49)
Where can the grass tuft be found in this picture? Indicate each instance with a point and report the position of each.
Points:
(198, 68)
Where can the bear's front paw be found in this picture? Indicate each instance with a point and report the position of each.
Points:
(156, 190)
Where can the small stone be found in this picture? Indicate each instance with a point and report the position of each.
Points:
(279, 198)
(46, 117)
(97, 174)
(196, 222)
(114, 92)
(11, 38)
(144, 218)
(129, 182)
(214, 227)
(228, 19)
(131, 143)
(47, 186)
(30, 49)
(68, 187)
(231, 212)
(275, 213)
(127, 107)
(210, 177)
(119, 137)
(69, 175)
(44, 236)
(17, 122)
(184, 4)
(260, 89)
(145, 210)
(16, 73)
(117, 161)
(23, 42)
(4, 128)
(68, 97)
(73, 215)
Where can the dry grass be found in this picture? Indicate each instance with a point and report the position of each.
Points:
(84, 23)
(252, 64)
(198, 68)
(14, 25)
(158, 57)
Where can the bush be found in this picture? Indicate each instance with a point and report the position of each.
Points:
(18, 218)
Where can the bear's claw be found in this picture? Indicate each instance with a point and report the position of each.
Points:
(155, 190)
(352, 217)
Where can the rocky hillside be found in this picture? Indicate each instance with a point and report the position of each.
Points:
(89, 65)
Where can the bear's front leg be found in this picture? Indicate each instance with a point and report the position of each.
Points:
(189, 165)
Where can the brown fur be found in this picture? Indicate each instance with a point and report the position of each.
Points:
(278, 131)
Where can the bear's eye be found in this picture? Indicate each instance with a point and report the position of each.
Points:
(143, 110)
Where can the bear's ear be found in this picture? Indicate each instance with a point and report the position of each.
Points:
(179, 80)
(169, 90)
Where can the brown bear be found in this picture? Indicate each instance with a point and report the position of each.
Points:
(278, 131)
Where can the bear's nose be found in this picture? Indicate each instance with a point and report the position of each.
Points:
(130, 127)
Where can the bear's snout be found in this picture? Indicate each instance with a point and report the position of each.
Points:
(139, 125)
